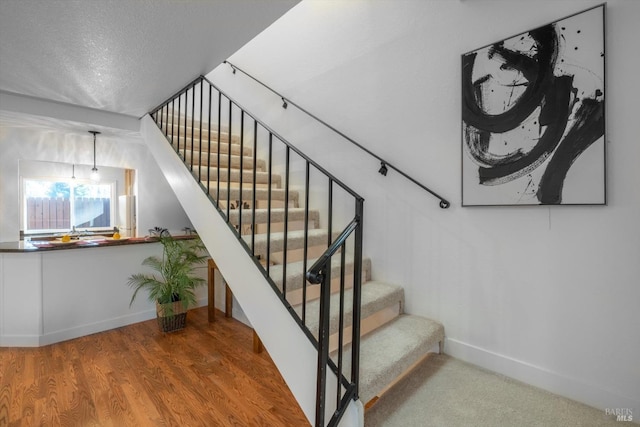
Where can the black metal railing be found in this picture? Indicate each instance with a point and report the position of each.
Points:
(384, 164)
(255, 178)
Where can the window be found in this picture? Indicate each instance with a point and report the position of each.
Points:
(51, 205)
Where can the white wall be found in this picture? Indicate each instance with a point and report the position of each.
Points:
(26, 137)
(548, 295)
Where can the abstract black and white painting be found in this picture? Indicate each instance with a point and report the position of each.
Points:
(533, 122)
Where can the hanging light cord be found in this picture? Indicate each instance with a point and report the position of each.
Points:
(94, 132)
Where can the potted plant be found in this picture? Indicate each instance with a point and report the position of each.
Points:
(174, 289)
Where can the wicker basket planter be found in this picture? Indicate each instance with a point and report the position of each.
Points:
(173, 286)
(171, 317)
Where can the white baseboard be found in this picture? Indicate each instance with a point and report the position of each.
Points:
(20, 341)
(92, 328)
(572, 388)
(81, 330)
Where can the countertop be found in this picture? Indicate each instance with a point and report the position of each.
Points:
(84, 242)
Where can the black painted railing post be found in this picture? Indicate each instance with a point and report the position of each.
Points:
(240, 201)
(219, 144)
(173, 118)
(323, 347)
(186, 117)
(253, 202)
(357, 297)
(179, 112)
(286, 223)
(306, 242)
(229, 159)
(200, 136)
(209, 145)
(341, 323)
(193, 113)
(269, 184)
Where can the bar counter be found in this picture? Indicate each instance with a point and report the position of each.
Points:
(51, 292)
(53, 245)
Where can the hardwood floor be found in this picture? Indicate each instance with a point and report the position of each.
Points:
(204, 375)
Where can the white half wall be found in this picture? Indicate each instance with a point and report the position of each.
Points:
(547, 295)
(52, 296)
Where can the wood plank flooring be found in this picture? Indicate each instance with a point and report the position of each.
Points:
(204, 375)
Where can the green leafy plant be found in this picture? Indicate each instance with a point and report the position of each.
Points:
(176, 280)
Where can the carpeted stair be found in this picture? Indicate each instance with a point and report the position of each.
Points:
(392, 343)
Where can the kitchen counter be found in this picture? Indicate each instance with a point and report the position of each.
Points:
(83, 242)
(55, 292)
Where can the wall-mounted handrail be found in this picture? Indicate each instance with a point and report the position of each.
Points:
(384, 164)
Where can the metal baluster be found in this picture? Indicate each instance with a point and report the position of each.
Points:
(200, 143)
(179, 112)
(166, 123)
(357, 297)
(173, 118)
(340, 324)
(253, 205)
(286, 223)
(193, 113)
(219, 143)
(323, 346)
(269, 202)
(330, 213)
(306, 243)
(240, 202)
(209, 146)
(186, 113)
(228, 161)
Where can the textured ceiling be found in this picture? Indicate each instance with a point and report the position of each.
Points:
(123, 56)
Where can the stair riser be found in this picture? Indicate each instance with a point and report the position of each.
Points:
(296, 274)
(261, 196)
(260, 204)
(276, 227)
(313, 291)
(375, 297)
(277, 216)
(262, 178)
(224, 147)
(368, 324)
(179, 131)
(201, 160)
(295, 255)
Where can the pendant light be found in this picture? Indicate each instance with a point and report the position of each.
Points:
(95, 176)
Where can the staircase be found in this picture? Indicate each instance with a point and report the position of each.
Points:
(286, 222)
